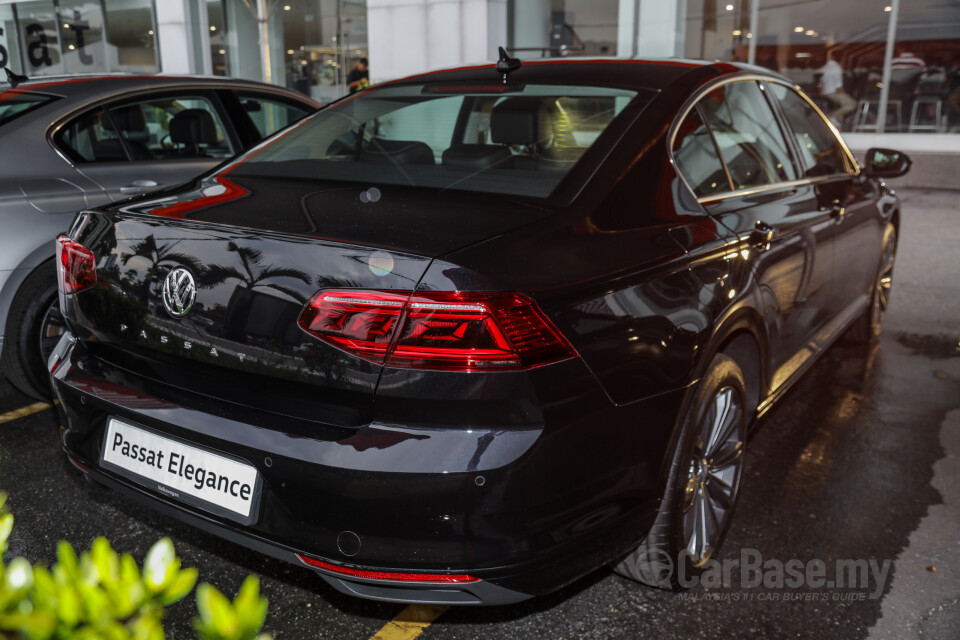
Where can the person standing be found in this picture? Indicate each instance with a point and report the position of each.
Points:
(831, 87)
(359, 77)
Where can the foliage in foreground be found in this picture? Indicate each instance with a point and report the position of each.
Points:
(100, 595)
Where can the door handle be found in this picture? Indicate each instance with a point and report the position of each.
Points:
(138, 186)
(762, 235)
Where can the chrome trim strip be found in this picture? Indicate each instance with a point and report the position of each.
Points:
(777, 186)
(745, 77)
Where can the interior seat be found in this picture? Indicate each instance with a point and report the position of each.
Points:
(398, 151)
(191, 128)
(476, 157)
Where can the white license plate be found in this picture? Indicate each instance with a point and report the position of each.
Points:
(214, 482)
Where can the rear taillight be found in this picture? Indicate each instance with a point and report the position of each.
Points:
(451, 331)
(76, 268)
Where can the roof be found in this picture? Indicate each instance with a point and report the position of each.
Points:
(626, 72)
(91, 87)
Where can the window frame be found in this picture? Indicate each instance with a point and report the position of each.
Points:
(785, 130)
(211, 92)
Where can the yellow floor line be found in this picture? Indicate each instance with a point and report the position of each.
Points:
(410, 622)
(24, 411)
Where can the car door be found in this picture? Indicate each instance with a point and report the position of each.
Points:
(138, 145)
(839, 189)
(731, 151)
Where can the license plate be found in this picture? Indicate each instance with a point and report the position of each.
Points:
(214, 482)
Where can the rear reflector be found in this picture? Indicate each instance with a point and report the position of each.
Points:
(76, 269)
(441, 578)
(450, 331)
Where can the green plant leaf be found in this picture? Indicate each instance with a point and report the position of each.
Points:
(160, 566)
(180, 587)
(6, 526)
(19, 575)
(67, 561)
(216, 613)
(251, 609)
(106, 560)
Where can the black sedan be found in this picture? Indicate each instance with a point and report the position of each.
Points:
(464, 337)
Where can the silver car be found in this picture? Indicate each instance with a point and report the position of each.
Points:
(70, 143)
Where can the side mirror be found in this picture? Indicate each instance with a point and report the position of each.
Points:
(886, 163)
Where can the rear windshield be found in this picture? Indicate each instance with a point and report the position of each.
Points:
(472, 138)
(14, 104)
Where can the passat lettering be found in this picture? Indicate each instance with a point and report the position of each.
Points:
(137, 452)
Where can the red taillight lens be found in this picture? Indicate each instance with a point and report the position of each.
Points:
(76, 268)
(445, 578)
(361, 322)
(452, 331)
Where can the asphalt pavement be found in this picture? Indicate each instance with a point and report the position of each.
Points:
(858, 464)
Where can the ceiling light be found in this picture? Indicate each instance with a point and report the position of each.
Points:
(798, 29)
(888, 9)
(286, 7)
(213, 28)
(749, 35)
(737, 32)
(729, 7)
(810, 32)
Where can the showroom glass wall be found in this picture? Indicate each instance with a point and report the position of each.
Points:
(859, 59)
(312, 44)
(856, 59)
(49, 37)
(550, 28)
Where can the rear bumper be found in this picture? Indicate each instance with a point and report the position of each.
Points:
(523, 509)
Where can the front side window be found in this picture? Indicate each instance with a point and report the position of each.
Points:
(748, 136)
(518, 141)
(171, 128)
(820, 150)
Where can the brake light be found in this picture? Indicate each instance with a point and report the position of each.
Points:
(450, 331)
(76, 268)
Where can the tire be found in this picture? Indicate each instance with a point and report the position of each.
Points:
(34, 326)
(704, 478)
(868, 326)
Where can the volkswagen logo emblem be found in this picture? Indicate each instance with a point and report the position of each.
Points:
(179, 292)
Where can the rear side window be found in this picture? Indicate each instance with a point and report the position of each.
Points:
(269, 114)
(748, 136)
(820, 149)
(696, 156)
(91, 138)
(13, 104)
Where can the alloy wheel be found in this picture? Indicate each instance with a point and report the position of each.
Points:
(714, 476)
(881, 294)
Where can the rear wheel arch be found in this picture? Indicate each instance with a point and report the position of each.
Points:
(742, 337)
